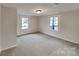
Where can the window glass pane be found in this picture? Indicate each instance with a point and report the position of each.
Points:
(55, 17)
(54, 23)
(56, 28)
(51, 21)
(24, 23)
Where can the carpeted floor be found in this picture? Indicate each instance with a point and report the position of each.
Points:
(42, 45)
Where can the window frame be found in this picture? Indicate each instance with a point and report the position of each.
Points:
(26, 23)
(52, 26)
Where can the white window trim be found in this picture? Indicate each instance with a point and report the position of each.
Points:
(58, 23)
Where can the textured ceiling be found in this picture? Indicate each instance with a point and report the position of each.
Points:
(48, 8)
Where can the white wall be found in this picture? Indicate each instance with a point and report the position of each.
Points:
(68, 26)
(33, 25)
(8, 27)
(0, 29)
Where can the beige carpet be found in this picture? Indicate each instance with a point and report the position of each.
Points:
(42, 45)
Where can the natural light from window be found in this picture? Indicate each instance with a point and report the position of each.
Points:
(54, 23)
(24, 23)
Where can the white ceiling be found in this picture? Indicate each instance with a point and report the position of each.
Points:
(48, 8)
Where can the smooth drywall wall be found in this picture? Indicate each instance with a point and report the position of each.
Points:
(0, 29)
(32, 27)
(8, 25)
(68, 26)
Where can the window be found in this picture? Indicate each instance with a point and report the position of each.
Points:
(54, 23)
(24, 23)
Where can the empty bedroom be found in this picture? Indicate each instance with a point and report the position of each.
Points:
(39, 29)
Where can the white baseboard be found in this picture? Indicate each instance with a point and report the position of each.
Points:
(8, 48)
(26, 34)
(62, 38)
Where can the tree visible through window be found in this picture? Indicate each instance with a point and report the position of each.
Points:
(54, 23)
(24, 23)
